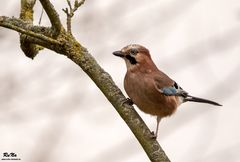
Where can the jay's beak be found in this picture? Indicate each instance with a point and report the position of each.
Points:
(118, 53)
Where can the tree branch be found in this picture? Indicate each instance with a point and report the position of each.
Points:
(24, 28)
(66, 44)
(26, 14)
(53, 17)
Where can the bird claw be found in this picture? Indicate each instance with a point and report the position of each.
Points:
(153, 135)
(128, 101)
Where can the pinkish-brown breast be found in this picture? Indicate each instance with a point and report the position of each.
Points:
(140, 88)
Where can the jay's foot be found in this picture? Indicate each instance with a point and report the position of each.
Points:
(153, 135)
(128, 101)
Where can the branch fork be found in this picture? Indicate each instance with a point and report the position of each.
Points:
(70, 12)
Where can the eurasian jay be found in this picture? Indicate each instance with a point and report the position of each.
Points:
(149, 88)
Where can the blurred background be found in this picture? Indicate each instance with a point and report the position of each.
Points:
(51, 111)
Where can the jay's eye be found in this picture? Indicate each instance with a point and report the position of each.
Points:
(133, 51)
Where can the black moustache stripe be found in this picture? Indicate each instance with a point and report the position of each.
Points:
(131, 59)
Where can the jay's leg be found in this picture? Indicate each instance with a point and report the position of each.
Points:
(158, 121)
(155, 134)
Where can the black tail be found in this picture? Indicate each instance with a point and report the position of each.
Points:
(196, 99)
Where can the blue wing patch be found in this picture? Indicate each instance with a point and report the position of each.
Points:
(169, 91)
(174, 90)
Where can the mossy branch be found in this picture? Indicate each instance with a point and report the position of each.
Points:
(61, 41)
(26, 14)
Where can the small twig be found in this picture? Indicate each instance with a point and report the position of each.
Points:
(40, 19)
(69, 4)
(70, 13)
(78, 4)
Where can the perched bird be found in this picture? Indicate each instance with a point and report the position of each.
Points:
(149, 88)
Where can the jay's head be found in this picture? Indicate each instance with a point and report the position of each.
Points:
(133, 55)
